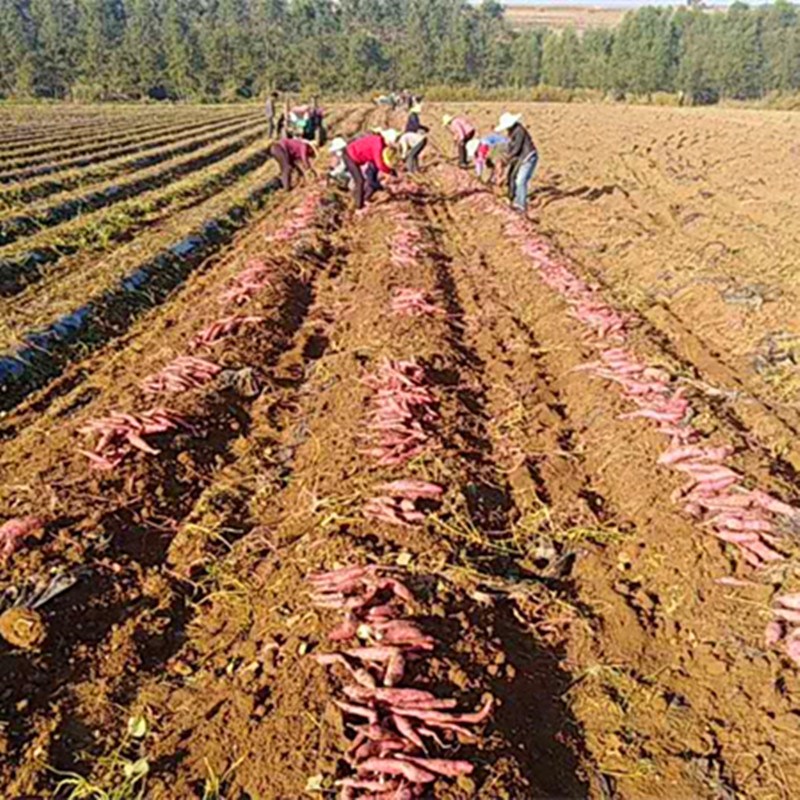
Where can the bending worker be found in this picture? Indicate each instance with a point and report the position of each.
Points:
(463, 131)
(413, 124)
(411, 147)
(293, 155)
(522, 159)
(487, 153)
(367, 152)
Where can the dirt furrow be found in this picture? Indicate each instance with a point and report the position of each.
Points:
(128, 609)
(655, 628)
(242, 676)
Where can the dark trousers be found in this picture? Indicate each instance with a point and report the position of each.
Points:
(511, 177)
(462, 151)
(412, 159)
(363, 186)
(285, 163)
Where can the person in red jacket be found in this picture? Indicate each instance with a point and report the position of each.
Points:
(366, 152)
(293, 155)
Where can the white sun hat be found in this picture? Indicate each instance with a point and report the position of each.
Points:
(507, 121)
(472, 147)
(337, 145)
(390, 135)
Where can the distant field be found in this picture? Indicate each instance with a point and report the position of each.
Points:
(580, 17)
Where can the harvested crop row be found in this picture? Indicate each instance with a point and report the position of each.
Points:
(714, 491)
(295, 504)
(149, 155)
(68, 207)
(395, 726)
(92, 154)
(177, 476)
(670, 616)
(653, 213)
(18, 165)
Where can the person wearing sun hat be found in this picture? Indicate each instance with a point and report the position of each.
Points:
(463, 131)
(522, 159)
(412, 143)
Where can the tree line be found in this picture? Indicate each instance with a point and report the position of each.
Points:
(213, 50)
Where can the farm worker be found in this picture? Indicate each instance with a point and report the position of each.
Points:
(283, 120)
(411, 147)
(270, 112)
(367, 152)
(463, 131)
(314, 127)
(522, 159)
(474, 154)
(413, 125)
(293, 155)
(338, 172)
(487, 153)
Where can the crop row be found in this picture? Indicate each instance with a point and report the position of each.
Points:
(44, 353)
(60, 305)
(48, 162)
(90, 170)
(103, 131)
(15, 227)
(47, 124)
(101, 230)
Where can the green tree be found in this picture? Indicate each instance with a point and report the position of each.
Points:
(561, 59)
(644, 58)
(737, 57)
(780, 40)
(16, 68)
(183, 61)
(53, 47)
(526, 59)
(594, 71)
(142, 52)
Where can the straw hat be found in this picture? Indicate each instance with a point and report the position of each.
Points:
(472, 147)
(390, 156)
(507, 121)
(337, 145)
(447, 119)
(390, 136)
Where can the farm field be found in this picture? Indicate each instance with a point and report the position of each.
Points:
(598, 578)
(558, 17)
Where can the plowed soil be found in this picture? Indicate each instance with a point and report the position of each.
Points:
(557, 575)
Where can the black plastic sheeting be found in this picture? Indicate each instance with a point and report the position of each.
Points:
(45, 352)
